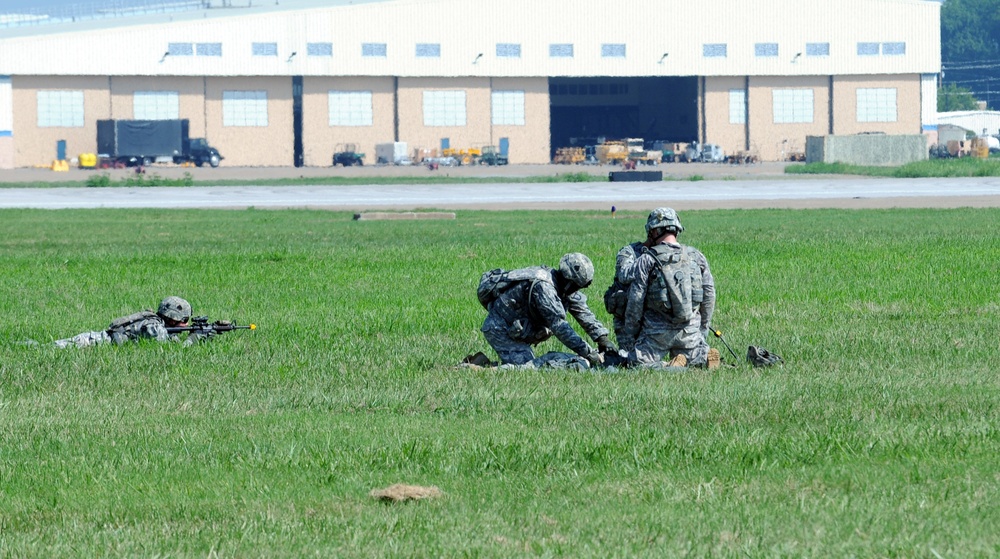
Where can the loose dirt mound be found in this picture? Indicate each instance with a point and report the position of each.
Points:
(401, 492)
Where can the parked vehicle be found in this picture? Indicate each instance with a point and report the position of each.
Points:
(704, 153)
(346, 155)
(129, 143)
(491, 156)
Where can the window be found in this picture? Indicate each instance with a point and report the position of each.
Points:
(209, 49)
(561, 50)
(714, 50)
(893, 49)
(792, 105)
(428, 50)
(350, 108)
(817, 49)
(867, 49)
(508, 50)
(876, 104)
(508, 108)
(444, 108)
(373, 49)
(180, 49)
(616, 50)
(737, 106)
(63, 109)
(244, 108)
(265, 49)
(765, 49)
(319, 49)
(155, 105)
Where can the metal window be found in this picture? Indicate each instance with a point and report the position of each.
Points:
(180, 49)
(893, 49)
(737, 106)
(508, 108)
(373, 49)
(265, 49)
(508, 50)
(209, 49)
(60, 109)
(244, 108)
(613, 50)
(444, 108)
(792, 105)
(350, 108)
(876, 104)
(817, 49)
(765, 49)
(428, 50)
(319, 49)
(867, 49)
(561, 50)
(156, 105)
(714, 50)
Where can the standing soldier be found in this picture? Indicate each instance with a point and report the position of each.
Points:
(670, 301)
(533, 307)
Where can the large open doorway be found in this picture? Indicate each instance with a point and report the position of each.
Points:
(585, 110)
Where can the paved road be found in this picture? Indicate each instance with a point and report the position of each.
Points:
(805, 193)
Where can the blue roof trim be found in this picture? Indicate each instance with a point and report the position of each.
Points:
(6, 133)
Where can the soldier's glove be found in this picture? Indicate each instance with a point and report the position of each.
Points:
(605, 346)
(595, 358)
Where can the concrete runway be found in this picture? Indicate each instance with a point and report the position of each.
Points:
(786, 193)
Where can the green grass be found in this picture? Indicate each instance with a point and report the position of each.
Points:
(154, 179)
(964, 167)
(878, 438)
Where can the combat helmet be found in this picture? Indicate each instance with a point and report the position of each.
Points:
(175, 308)
(663, 217)
(576, 268)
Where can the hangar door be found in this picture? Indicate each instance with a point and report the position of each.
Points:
(585, 109)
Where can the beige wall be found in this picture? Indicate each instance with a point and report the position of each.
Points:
(845, 103)
(320, 140)
(6, 152)
(475, 133)
(528, 143)
(254, 146)
(775, 141)
(718, 130)
(37, 146)
(191, 91)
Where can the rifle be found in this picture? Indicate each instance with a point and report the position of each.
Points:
(201, 326)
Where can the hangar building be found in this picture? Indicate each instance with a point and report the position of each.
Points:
(283, 83)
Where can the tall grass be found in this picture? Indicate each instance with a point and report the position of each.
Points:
(878, 437)
(964, 167)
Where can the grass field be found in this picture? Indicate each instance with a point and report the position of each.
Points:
(878, 438)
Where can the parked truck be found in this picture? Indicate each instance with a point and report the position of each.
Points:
(141, 142)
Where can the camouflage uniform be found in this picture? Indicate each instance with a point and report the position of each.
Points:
(532, 311)
(650, 333)
(616, 297)
(143, 325)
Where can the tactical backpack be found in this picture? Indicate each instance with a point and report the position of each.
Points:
(495, 282)
(129, 327)
(677, 288)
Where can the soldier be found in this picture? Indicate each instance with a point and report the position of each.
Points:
(616, 296)
(143, 325)
(533, 309)
(670, 301)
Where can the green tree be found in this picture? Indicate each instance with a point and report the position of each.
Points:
(954, 98)
(970, 48)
